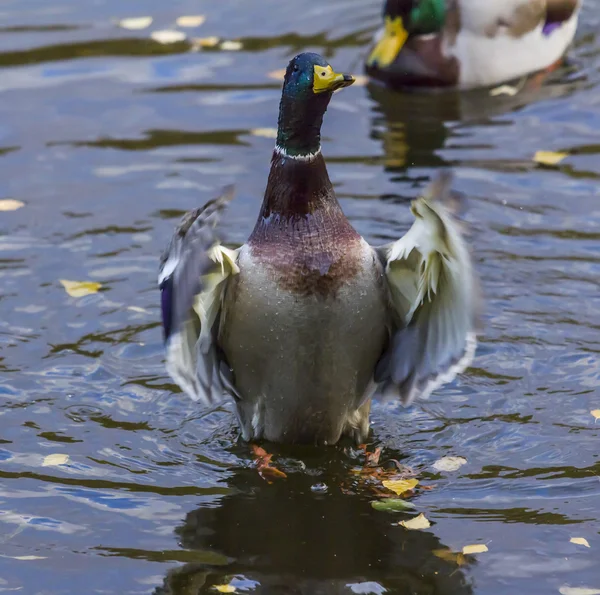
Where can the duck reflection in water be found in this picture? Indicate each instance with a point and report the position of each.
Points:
(286, 539)
(415, 125)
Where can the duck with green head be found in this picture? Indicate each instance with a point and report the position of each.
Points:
(302, 323)
(470, 43)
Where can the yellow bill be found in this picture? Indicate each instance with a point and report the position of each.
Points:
(325, 79)
(389, 46)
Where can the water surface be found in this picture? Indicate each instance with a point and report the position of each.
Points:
(108, 137)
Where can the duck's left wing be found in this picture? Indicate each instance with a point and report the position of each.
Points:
(435, 298)
(194, 270)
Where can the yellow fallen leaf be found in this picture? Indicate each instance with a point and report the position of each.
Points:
(10, 204)
(477, 548)
(166, 36)
(56, 459)
(135, 23)
(596, 413)
(191, 20)
(549, 157)
(225, 588)
(399, 486)
(264, 132)
(419, 522)
(80, 288)
(578, 591)
(204, 42)
(449, 556)
(504, 90)
(231, 46)
(580, 541)
(278, 75)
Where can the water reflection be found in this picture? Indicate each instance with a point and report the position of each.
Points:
(289, 539)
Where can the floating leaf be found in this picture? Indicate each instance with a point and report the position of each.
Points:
(264, 132)
(504, 90)
(56, 459)
(278, 75)
(166, 36)
(580, 541)
(419, 522)
(204, 42)
(578, 591)
(549, 157)
(231, 46)
(135, 23)
(137, 309)
(360, 80)
(449, 556)
(225, 588)
(191, 20)
(10, 204)
(449, 463)
(392, 505)
(596, 413)
(477, 548)
(400, 486)
(80, 288)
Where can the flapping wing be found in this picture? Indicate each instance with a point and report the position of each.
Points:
(193, 273)
(435, 296)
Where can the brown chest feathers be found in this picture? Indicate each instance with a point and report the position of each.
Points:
(302, 236)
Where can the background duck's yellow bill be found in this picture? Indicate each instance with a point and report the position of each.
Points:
(389, 46)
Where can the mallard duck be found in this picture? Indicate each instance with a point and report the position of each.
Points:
(470, 43)
(303, 322)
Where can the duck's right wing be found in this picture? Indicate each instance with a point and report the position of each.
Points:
(193, 274)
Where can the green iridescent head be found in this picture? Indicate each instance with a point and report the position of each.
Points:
(307, 88)
(403, 18)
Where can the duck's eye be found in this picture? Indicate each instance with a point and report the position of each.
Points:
(296, 68)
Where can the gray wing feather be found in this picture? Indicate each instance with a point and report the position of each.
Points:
(434, 296)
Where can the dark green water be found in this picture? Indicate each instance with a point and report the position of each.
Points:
(108, 137)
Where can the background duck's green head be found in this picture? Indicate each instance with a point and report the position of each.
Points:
(403, 18)
(307, 88)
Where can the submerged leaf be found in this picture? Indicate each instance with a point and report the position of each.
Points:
(166, 36)
(10, 204)
(449, 556)
(392, 505)
(55, 459)
(400, 486)
(419, 522)
(191, 20)
(225, 588)
(449, 463)
(135, 23)
(549, 157)
(80, 288)
(477, 548)
(578, 591)
(596, 413)
(580, 541)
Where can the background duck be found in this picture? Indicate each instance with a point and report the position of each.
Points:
(470, 43)
(303, 322)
